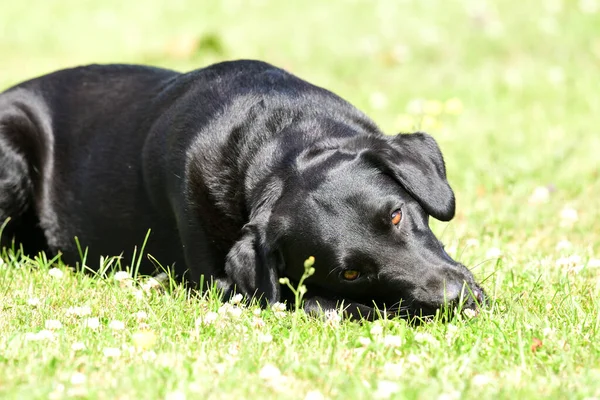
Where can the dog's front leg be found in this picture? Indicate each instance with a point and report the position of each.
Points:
(203, 261)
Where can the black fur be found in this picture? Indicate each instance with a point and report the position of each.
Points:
(241, 171)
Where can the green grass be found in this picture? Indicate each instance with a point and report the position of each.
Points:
(526, 74)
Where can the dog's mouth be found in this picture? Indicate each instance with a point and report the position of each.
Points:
(470, 303)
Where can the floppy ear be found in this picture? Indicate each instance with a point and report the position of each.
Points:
(253, 267)
(421, 170)
(417, 164)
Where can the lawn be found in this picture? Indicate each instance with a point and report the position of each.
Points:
(509, 90)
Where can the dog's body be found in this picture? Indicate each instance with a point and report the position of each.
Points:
(240, 170)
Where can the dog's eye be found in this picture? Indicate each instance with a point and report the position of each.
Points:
(396, 217)
(350, 274)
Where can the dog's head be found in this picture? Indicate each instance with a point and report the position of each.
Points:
(361, 207)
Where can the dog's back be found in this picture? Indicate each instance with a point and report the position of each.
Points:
(60, 135)
(89, 151)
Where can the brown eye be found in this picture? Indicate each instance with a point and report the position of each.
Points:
(396, 217)
(351, 274)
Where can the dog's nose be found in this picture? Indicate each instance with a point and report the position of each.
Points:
(479, 296)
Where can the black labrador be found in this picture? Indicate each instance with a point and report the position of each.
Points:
(241, 171)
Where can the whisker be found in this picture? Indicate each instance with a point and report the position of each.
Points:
(333, 270)
(481, 263)
(489, 276)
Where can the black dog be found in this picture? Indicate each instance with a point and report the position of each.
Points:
(241, 171)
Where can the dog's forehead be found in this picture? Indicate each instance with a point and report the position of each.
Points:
(358, 176)
(354, 188)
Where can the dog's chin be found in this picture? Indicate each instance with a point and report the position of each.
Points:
(415, 310)
(372, 308)
(469, 306)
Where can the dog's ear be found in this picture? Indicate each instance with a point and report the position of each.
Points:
(417, 164)
(422, 172)
(254, 264)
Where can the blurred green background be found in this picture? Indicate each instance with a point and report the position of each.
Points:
(522, 77)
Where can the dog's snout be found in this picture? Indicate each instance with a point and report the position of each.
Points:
(453, 292)
(459, 291)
